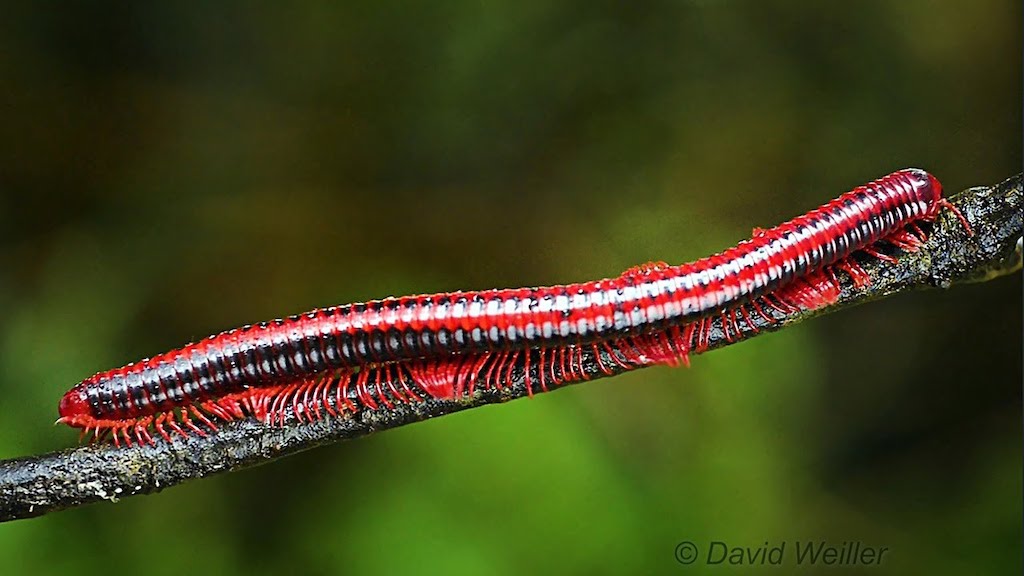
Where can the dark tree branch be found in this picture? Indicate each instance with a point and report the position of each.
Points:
(36, 485)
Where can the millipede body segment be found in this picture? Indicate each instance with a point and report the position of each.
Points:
(445, 345)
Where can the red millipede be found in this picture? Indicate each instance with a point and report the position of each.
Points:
(446, 345)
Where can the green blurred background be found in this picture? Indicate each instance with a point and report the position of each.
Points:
(168, 172)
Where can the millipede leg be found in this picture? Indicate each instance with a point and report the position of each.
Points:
(904, 240)
(527, 378)
(553, 366)
(856, 273)
(202, 418)
(187, 421)
(158, 424)
(513, 358)
(323, 396)
(172, 421)
(871, 251)
(541, 369)
(394, 375)
(917, 231)
(579, 360)
(362, 389)
(378, 376)
(956, 212)
(613, 354)
(599, 361)
(401, 376)
(141, 432)
(757, 308)
(746, 319)
(219, 409)
(124, 434)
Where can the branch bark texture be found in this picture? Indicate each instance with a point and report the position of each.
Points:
(35, 485)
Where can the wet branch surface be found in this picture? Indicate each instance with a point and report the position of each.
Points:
(35, 485)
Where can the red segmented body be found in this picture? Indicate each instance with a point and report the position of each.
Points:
(784, 262)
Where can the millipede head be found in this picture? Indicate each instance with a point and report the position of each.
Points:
(925, 181)
(74, 408)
